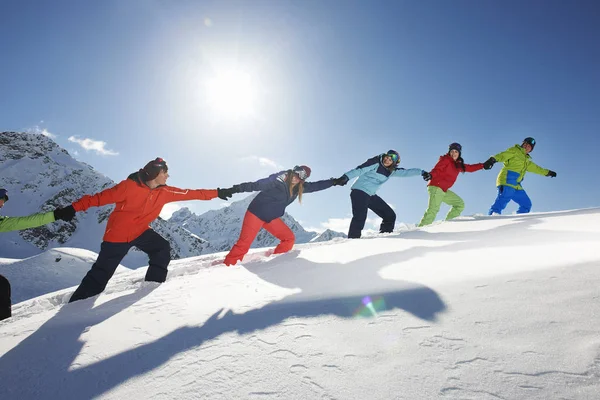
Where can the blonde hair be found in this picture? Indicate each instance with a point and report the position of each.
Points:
(288, 181)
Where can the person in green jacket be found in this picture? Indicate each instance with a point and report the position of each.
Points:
(517, 162)
(8, 224)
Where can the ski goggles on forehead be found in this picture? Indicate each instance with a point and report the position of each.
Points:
(160, 163)
(393, 156)
(301, 173)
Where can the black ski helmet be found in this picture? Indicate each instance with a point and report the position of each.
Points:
(394, 155)
(530, 141)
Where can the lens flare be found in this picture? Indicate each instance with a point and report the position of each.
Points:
(370, 307)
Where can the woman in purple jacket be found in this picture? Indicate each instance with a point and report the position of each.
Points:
(265, 211)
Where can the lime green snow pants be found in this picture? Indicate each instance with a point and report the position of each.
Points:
(436, 197)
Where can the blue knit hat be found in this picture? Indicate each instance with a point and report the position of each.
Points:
(4, 195)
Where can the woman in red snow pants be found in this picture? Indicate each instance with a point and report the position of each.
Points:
(265, 211)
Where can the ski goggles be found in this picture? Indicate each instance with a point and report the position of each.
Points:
(395, 158)
(301, 173)
(160, 163)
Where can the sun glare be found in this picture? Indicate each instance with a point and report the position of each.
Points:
(232, 94)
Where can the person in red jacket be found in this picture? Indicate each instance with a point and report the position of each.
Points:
(441, 178)
(139, 200)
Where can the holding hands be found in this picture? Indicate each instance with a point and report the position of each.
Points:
(489, 163)
(65, 214)
(225, 194)
(341, 181)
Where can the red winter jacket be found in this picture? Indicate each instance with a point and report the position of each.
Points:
(445, 172)
(136, 206)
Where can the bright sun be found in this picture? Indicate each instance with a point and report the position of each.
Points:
(232, 94)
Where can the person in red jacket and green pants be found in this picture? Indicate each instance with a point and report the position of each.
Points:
(8, 224)
(139, 200)
(441, 178)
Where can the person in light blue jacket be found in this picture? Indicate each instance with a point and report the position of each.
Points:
(371, 175)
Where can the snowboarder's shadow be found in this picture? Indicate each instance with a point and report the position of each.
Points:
(418, 300)
(98, 378)
(51, 350)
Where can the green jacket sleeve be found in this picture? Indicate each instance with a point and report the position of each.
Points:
(505, 155)
(536, 169)
(8, 224)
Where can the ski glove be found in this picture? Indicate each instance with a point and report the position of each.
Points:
(489, 163)
(426, 175)
(224, 194)
(341, 181)
(551, 174)
(65, 214)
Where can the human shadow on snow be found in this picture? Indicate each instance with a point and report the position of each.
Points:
(357, 283)
(40, 364)
(369, 295)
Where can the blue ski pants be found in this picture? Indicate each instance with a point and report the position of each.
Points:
(505, 195)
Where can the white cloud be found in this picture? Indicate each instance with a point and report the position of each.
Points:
(263, 161)
(36, 130)
(337, 224)
(96, 145)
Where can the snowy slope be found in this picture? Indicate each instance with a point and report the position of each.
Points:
(479, 308)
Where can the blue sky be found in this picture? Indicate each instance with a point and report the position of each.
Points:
(328, 84)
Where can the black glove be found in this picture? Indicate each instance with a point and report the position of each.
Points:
(65, 214)
(341, 181)
(489, 163)
(426, 175)
(551, 174)
(224, 194)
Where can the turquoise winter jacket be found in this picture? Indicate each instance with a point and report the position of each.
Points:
(372, 174)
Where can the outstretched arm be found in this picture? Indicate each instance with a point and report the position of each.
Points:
(8, 224)
(536, 169)
(111, 195)
(473, 167)
(310, 187)
(369, 165)
(176, 194)
(260, 184)
(404, 173)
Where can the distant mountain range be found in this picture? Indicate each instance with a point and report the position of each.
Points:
(40, 175)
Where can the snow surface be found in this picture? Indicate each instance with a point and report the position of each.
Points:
(479, 308)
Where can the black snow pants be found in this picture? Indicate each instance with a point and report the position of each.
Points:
(5, 303)
(361, 204)
(111, 254)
